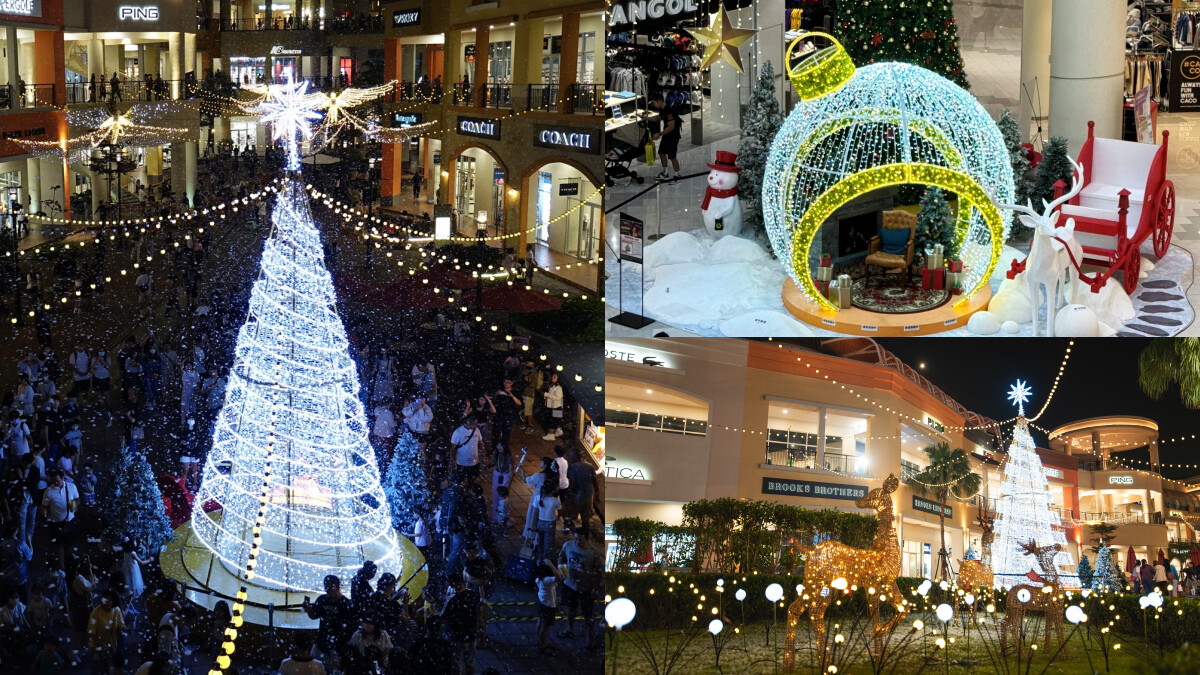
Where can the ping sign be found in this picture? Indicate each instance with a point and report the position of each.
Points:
(138, 13)
(1120, 480)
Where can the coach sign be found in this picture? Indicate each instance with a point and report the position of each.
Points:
(808, 488)
(585, 141)
(479, 127)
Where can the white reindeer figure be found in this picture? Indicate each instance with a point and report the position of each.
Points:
(1048, 269)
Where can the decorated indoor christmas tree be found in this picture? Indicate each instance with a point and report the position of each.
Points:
(1085, 572)
(291, 471)
(935, 223)
(759, 125)
(921, 33)
(1106, 578)
(406, 484)
(1055, 166)
(142, 516)
(1023, 510)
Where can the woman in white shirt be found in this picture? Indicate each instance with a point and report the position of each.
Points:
(547, 577)
(547, 508)
(554, 411)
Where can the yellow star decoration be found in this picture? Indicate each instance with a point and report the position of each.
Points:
(721, 40)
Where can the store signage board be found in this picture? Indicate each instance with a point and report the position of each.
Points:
(568, 189)
(808, 488)
(138, 12)
(1051, 471)
(1179, 551)
(407, 119)
(625, 15)
(568, 139)
(403, 18)
(632, 354)
(278, 50)
(928, 506)
(631, 238)
(479, 127)
(21, 7)
(1120, 480)
(1185, 81)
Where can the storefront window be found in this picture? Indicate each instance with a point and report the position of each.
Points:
(918, 558)
(845, 442)
(10, 190)
(247, 70)
(808, 437)
(500, 62)
(587, 58)
(636, 405)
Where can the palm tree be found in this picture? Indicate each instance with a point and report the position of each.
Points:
(949, 473)
(1171, 360)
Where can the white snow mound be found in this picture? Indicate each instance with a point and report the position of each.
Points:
(765, 323)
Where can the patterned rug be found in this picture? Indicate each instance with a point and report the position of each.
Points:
(889, 295)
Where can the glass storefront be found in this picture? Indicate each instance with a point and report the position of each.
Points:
(247, 70)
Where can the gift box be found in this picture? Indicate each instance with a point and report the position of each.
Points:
(844, 286)
(826, 260)
(935, 257)
(932, 279)
(954, 265)
(825, 273)
(957, 289)
(822, 286)
(955, 278)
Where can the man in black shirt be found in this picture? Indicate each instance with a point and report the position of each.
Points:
(338, 619)
(669, 145)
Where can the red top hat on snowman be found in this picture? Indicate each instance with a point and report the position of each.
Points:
(726, 161)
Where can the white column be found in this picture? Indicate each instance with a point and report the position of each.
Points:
(1035, 64)
(174, 47)
(1087, 69)
(33, 184)
(96, 58)
(820, 436)
(190, 172)
(189, 54)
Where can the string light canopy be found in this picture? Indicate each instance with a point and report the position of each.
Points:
(858, 130)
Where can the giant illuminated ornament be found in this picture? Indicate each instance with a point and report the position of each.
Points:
(857, 130)
(290, 488)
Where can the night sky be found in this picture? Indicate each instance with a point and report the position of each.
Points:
(1101, 378)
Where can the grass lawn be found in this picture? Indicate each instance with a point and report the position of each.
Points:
(747, 653)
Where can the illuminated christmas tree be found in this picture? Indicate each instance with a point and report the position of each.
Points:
(1106, 578)
(1023, 511)
(291, 467)
(921, 33)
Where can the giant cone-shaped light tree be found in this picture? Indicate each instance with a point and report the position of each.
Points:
(1023, 511)
(290, 466)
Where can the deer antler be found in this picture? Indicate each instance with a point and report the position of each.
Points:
(1076, 188)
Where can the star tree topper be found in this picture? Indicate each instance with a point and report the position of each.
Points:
(1019, 395)
(291, 112)
(721, 40)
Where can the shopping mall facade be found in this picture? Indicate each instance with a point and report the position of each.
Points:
(818, 422)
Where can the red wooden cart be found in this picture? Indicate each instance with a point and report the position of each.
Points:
(1126, 198)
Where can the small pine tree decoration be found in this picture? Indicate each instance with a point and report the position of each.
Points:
(142, 516)
(1106, 578)
(1020, 163)
(921, 33)
(1055, 166)
(935, 223)
(761, 122)
(1085, 572)
(406, 484)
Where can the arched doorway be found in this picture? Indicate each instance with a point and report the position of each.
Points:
(476, 182)
(564, 210)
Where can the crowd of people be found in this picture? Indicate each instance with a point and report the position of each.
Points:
(1166, 577)
(75, 599)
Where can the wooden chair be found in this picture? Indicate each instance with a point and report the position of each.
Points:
(893, 220)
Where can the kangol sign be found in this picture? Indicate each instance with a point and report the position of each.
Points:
(641, 11)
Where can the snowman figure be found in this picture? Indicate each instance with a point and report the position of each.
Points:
(722, 208)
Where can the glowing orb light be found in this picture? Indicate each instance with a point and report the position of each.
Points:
(774, 592)
(715, 626)
(857, 130)
(1075, 614)
(620, 612)
(944, 613)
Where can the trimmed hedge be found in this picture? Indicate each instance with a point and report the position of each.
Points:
(1179, 618)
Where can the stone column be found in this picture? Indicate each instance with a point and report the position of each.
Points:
(221, 132)
(33, 184)
(154, 161)
(175, 63)
(13, 70)
(153, 65)
(95, 58)
(226, 15)
(178, 170)
(190, 172)
(142, 60)
(479, 77)
(568, 62)
(1087, 69)
(1035, 65)
(189, 54)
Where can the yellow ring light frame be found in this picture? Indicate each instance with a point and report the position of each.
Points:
(822, 72)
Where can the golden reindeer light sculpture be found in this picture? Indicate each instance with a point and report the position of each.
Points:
(976, 575)
(833, 567)
(1047, 599)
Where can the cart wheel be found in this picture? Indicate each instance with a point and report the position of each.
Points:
(1132, 267)
(640, 180)
(1164, 218)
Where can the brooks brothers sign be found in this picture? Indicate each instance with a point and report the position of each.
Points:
(808, 488)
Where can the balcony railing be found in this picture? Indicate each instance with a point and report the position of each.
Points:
(1111, 517)
(497, 95)
(583, 99)
(543, 97)
(800, 457)
(366, 22)
(128, 91)
(846, 464)
(29, 96)
(586, 99)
